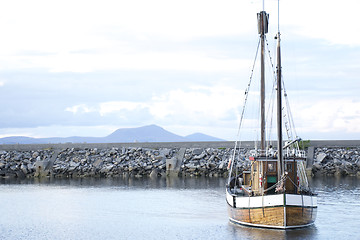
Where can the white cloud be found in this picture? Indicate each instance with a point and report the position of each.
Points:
(106, 108)
(85, 36)
(81, 108)
(199, 104)
(330, 115)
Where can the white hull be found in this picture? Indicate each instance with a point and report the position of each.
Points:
(282, 211)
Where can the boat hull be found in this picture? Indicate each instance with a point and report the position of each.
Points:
(281, 211)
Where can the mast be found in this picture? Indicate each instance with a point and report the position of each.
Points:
(262, 30)
(279, 110)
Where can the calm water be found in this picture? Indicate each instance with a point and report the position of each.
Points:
(190, 208)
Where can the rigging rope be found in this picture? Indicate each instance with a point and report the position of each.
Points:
(243, 111)
(287, 104)
(272, 102)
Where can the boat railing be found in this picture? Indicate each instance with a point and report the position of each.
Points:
(295, 153)
(273, 153)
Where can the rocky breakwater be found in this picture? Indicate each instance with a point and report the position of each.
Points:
(22, 164)
(138, 162)
(208, 162)
(336, 161)
(113, 162)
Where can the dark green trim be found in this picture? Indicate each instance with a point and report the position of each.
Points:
(277, 206)
(271, 179)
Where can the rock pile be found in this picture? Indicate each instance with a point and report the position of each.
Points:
(336, 161)
(130, 161)
(114, 162)
(110, 162)
(207, 162)
(21, 164)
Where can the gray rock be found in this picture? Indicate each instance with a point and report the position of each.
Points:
(35, 155)
(154, 173)
(30, 167)
(187, 156)
(201, 156)
(18, 157)
(320, 157)
(98, 163)
(13, 167)
(316, 166)
(358, 164)
(113, 151)
(197, 151)
(20, 174)
(24, 168)
(222, 165)
(107, 168)
(74, 164)
(165, 152)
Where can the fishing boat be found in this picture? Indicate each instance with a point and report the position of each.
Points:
(273, 190)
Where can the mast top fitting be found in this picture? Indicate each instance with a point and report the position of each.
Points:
(263, 22)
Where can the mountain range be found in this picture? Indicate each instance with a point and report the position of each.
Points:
(150, 133)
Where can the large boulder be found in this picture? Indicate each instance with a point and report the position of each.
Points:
(321, 157)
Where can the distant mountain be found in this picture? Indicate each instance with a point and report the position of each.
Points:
(22, 140)
(200, 137)
(151, 133)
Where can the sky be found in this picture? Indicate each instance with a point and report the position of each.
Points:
(87, 68)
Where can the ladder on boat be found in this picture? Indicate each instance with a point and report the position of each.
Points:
(302, 175)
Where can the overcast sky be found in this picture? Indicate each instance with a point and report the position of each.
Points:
(86, 68)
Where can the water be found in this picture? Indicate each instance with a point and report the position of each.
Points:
(192, 208)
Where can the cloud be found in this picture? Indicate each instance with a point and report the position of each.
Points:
(87, 36)
(81, 108)
(197, 105)
(330, 115)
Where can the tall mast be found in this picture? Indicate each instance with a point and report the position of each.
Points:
(262, 30)
(279, 110)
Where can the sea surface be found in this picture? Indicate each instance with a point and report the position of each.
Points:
(165, 208)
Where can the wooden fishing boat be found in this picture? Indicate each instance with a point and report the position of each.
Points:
(273, 192)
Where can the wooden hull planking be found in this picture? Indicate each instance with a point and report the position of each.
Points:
(277, 216)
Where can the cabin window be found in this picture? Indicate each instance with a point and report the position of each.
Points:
(271, 167)
(289, 167)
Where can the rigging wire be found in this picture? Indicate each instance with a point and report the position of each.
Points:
(272, 97)
(290, 117)
(243, 111)
(247, 89)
